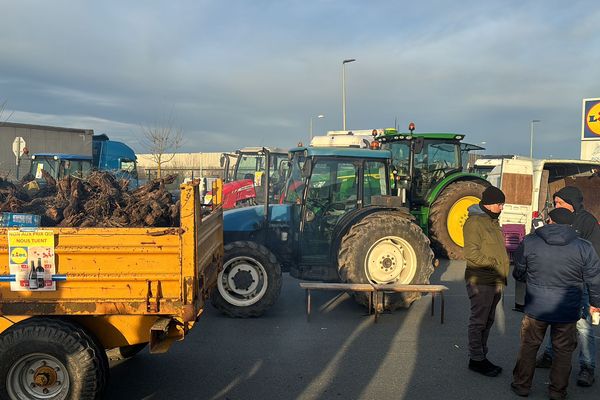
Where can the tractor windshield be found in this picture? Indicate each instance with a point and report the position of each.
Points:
(400, 151)
(248, 165)
(437, 159)
(295, 182)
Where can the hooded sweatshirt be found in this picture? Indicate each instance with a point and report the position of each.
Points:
(556, 265)
(585, 224)
(485, 251)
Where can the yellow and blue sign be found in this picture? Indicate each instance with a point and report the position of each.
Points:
(591, 119)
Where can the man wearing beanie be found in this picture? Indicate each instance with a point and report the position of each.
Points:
(485, 275)
(556, 265)
(586, 226)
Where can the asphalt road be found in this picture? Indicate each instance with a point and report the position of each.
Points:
(340, 354)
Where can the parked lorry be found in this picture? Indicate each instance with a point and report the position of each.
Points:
(107, 155)
(122, 288)
(336, 222)
(245, 180)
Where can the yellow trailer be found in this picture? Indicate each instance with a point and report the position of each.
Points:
(123, 288)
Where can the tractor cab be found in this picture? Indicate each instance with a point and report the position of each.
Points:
(245, 183)
(324, 185)
(421, 161)
(60, 165)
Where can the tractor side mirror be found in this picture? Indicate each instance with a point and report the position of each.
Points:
(418, 145)
(222, 161)
(306, 169)
(284, 166)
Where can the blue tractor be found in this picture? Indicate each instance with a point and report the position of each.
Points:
(107, 155)
(335, 222)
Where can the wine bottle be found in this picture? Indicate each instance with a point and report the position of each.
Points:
(40, 274)
(33, 283)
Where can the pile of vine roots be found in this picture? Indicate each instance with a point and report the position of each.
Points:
(100, 200)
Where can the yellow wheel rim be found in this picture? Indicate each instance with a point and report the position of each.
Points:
(457, 216)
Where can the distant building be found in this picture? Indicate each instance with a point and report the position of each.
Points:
(186, 165)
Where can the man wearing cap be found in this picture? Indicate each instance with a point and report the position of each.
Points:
(485, 275)
(556, 265)
(586, 226)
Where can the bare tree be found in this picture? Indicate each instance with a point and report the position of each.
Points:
(162, 141)
(2, 108)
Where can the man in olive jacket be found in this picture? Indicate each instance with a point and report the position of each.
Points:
(485, 275)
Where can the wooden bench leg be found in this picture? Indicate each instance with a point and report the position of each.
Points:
(442, 313)
(376, 304)
(432, 304)
(370, 303)
(307, 305)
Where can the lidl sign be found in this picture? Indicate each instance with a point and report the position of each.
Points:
(591, 119)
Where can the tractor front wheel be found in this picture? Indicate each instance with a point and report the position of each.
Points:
(386, 247)
(250, 281)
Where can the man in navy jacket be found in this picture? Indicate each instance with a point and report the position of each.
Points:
(586, 226)
(556, 265)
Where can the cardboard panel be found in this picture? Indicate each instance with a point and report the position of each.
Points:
(518, 188)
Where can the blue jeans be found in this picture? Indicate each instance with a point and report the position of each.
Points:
(585, 333)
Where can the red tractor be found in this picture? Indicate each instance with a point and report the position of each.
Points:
(245, 182)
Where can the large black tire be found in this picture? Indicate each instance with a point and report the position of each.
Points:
(449, 212)
(68, 363)
(250, 281)
(386, 247)
(125, 352)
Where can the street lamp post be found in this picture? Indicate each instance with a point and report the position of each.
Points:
(533, 121)
(344, 90)
(311, 124)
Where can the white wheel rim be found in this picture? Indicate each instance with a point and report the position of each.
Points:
(391, 259)
(243, 281)
(38, 376)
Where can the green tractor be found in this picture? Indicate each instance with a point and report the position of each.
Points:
(428, 176)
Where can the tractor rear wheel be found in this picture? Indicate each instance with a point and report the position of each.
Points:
(448, 215)
(386, 247)
(250, 281)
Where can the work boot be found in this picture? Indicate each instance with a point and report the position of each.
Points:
(519, 391)
(585, 377)
(557, 396)
(489, 365)
(484, 367)
(544, 361)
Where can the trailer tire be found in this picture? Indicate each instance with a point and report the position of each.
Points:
(448, 215)
(249, 282)
(125, 352)
(386, 247)
(68, 363)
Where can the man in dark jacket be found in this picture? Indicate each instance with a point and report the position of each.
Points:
(586, 226)
(485, 275)
(556, 265)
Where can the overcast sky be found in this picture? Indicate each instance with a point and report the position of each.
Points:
(246, 73)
